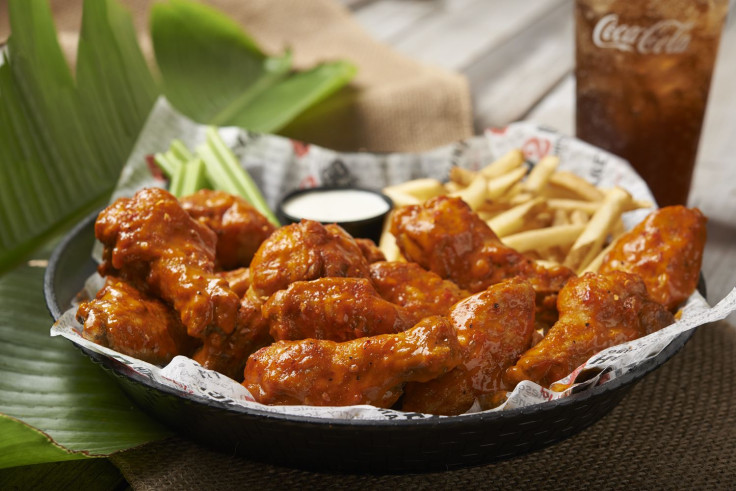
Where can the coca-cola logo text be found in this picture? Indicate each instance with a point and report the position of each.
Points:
(666, 36)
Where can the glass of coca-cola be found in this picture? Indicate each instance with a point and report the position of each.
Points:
(643, 74)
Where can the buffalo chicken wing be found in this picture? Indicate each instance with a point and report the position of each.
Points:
(370, 370)
(666, 250)
(301, 252)
(493, 328)
(131, 322)
(240, 228)
(597, 311)
(151, 241)
(338, 309)
(422, 293)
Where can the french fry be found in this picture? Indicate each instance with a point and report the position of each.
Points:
(540, 173)
(591, 207)
(513, 220)
(577, 185)
(595, 264)
(452, 187)
(401, 198)
(544, 237)
(590, 242)
(518, 198)
(508, 162)
(462, 176)
(560, 217)
(588, 207)
(422, 189)
(387, 241)
(499, 185)
(579, 217)
(475, 194)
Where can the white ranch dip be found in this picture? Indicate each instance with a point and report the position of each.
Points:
(336, 205)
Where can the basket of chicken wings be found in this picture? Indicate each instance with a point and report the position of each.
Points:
(314, 349)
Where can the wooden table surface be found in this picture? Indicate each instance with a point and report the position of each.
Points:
(519, 59)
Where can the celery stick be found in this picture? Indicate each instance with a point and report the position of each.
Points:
(226, 173)
(177, 180)
(194, 177)
(180, 150)
(169, 167)
(217, 176)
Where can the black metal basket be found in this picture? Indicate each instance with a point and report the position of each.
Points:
(393, 446)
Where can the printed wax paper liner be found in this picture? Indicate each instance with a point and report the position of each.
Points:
(280, 165)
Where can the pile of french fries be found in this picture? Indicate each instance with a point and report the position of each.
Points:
(554, 216)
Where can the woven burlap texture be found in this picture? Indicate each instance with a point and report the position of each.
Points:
(676, 429)
(393, 104)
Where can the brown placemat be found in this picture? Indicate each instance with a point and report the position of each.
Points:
(676, 429)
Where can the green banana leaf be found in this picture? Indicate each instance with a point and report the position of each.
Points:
(48, 384)
(215, 74)
(63, 141)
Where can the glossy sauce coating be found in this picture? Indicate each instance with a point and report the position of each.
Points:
(422, 293)
(338, 309)
(493, 327)
(666, 250)
(445, 236)
(133, 323)
(370, 250)
(304, 251)
(227, 352)
(237, 279)
(369, 370)
(239, 227)
(597, 311)
(150, 240)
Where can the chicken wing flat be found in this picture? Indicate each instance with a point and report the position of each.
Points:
(133, 323)
(240, 228)
(338, 309)
(301, 252)
(494, 328)
(445, 236)
(597, 311)
(227, 352)
(369, 370)
(150, 240)
(422, 293)
(666, 250)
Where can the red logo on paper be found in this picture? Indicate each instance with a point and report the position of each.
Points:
(536, 148)
(154, 168)
(498, 131)
(308, 182)
(300, 148)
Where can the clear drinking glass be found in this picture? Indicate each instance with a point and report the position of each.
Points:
(643, 71)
